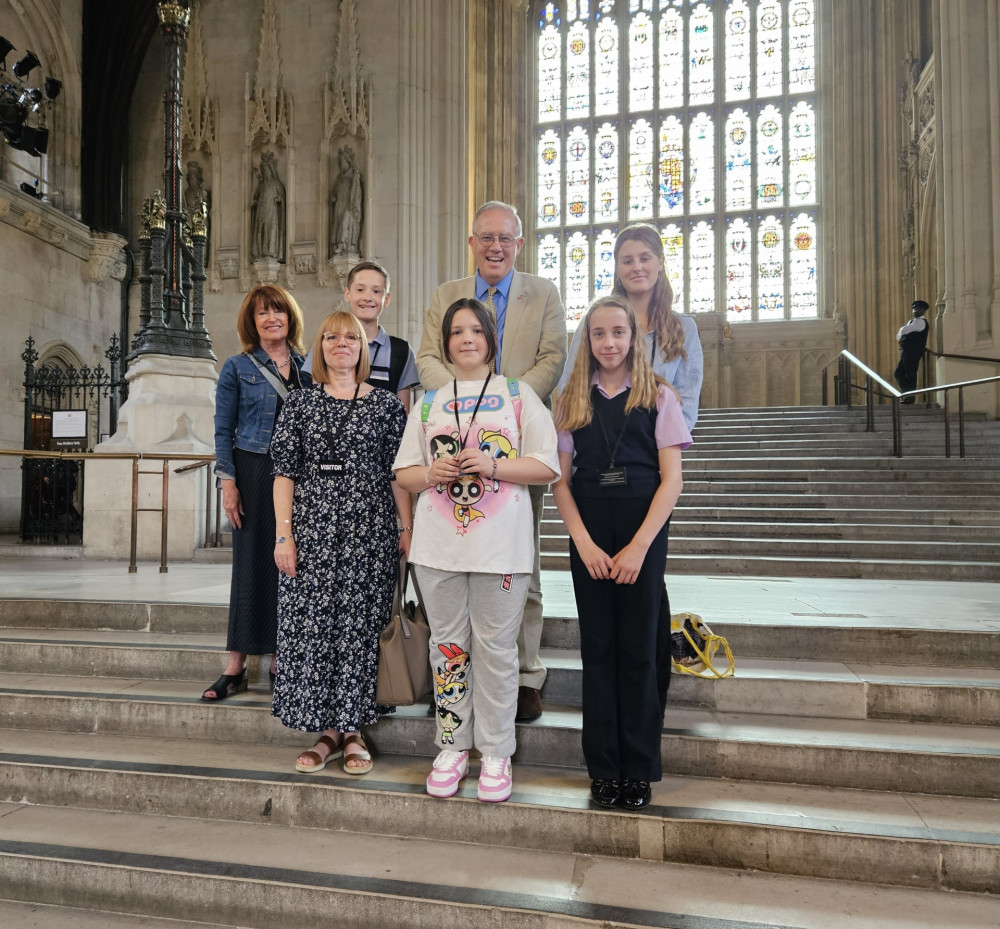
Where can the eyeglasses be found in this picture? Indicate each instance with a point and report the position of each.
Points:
(349, 337)
(487, 239)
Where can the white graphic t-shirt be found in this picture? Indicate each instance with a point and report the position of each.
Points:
(473, 523)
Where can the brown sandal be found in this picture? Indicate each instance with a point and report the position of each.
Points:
(355, 741)
(335, 751)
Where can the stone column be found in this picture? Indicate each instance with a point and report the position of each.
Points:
(967, 49)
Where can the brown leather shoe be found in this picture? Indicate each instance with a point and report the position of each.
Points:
(529, 704)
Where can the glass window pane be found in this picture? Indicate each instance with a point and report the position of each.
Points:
(770, 270)
(640, 63)
(671, 59)
(607, 67)
(549, 263)
(802, 155)
(606, 173)
(548, 179)
(769, 48)
(576, 296)
(737, 51)
(578, 71)
(738, 157)
(673, 249)
(802, 268)
(698, 115)
(701, 42)
(801, 47)
(701, 277)
(604, 263)
(671, 167)
(549, 75)
(702, 177)
(640, 158)
(739, 271)
(577, 177)
(770, 170)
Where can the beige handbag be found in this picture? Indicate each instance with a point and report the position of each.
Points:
(404, 667)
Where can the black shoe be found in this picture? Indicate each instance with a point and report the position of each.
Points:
(635, 794)
(529, 704)
(605, 792)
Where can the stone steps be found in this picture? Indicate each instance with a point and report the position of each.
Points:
(854, 689)
(875, 754)
(755, 564)
(146, 863)
(914, 841)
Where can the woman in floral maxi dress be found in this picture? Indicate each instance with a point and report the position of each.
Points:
(336, 546)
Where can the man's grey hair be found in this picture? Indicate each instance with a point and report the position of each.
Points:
(499, 205)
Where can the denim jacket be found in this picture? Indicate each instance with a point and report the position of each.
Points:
(245, 405)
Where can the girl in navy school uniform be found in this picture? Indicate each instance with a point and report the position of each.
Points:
(621, 432)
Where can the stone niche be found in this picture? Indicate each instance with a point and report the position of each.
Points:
(765, 364)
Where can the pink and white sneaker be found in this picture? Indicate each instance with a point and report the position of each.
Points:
(447, 773)
(494, 779)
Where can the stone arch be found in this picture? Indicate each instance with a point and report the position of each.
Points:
(59, 354)
(42, 25)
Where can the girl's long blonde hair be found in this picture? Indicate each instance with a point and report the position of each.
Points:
(661, 319)
(573, 408)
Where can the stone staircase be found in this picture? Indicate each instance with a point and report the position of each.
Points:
(808, 493)
(861, 785)
(847, 777)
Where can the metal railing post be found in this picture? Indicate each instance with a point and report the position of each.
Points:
(947, 426)
(961, 422)
(825, 388)
(133, 544)
(163, 517)
(869, 405)
(897, 429)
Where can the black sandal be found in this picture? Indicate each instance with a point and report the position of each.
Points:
(226, 686)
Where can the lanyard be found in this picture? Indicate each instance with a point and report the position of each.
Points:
(343, 419)
(600, 422)
(482, 393)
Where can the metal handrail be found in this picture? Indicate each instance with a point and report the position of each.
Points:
(843, 386)
(136, 458)
(930, 351)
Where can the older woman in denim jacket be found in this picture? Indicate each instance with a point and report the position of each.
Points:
(247, 403)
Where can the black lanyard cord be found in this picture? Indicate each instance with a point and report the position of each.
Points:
(612, 452)
(343, 419)
(482, 393)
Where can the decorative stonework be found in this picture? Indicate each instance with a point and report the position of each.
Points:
(44, 222)
(268, 123)
(105, 257)
(346, 160)
(916, 161)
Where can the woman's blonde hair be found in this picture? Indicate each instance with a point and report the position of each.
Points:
(277, 298)
(573, 408)
(341, 322)
(661, 319)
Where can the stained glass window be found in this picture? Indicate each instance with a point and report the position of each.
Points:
(698, 116)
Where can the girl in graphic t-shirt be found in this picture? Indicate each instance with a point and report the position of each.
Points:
(621, 432)
(469, 450)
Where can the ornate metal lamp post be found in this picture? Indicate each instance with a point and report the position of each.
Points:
(171, 243)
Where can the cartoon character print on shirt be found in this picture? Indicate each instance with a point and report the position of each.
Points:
(498, 446)
(465, 494)
(450, 679)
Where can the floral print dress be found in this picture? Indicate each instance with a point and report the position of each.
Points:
(331, 613)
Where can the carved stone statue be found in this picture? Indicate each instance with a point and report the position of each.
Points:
(345, 206)
(195, 190)
(267, 213)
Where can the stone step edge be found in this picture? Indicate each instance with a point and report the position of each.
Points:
(178, 888)
(839, 849)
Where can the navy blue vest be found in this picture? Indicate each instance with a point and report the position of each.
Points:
(637, 452)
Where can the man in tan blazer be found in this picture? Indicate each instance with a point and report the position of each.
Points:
(531, 324)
